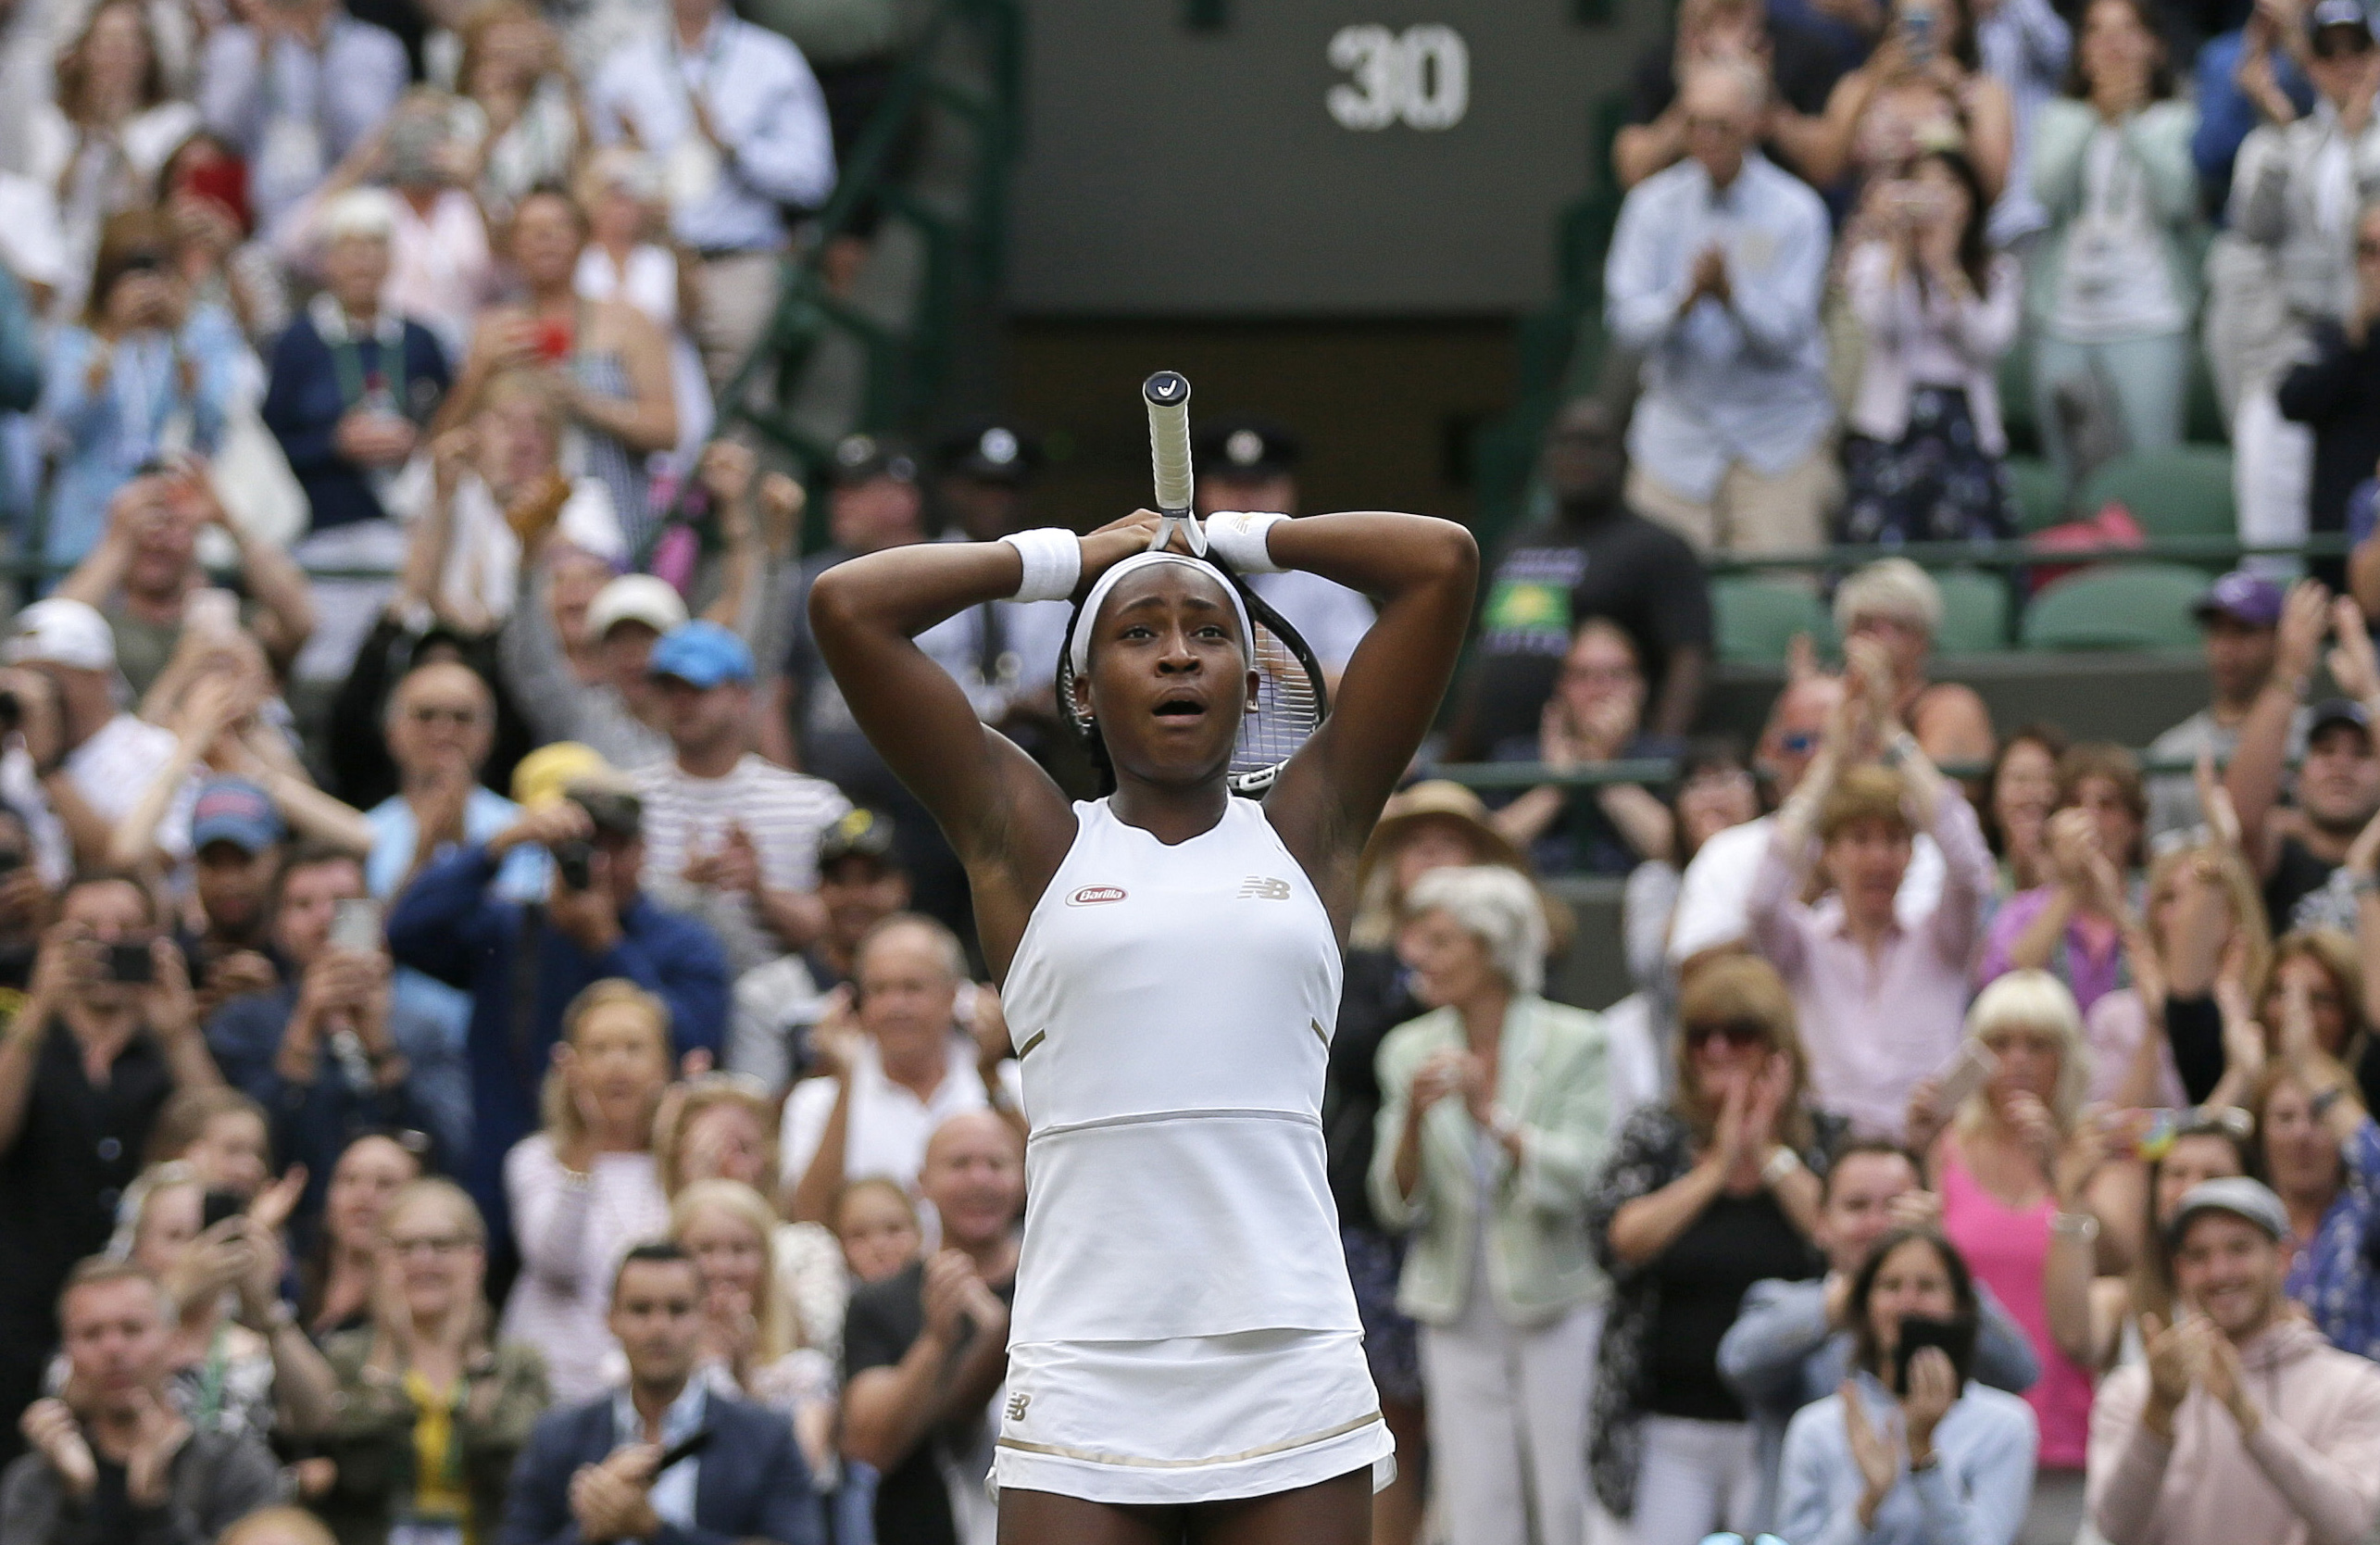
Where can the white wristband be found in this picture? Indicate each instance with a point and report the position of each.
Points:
(1243, 539)
(1053, 560)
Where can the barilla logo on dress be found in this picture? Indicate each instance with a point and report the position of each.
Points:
(1092, 896)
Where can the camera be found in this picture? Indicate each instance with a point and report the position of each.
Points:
(128, 961)
(574, 863)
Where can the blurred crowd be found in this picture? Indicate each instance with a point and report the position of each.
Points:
(492, 1055)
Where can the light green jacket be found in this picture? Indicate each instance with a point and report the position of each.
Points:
(1551, 1080)
(2158, 139)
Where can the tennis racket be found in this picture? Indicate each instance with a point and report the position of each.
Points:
(1292, 698)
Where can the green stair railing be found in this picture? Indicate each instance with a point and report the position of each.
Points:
(904, 364)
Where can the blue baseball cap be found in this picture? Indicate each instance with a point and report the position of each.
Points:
(237, 812)
(701, 654)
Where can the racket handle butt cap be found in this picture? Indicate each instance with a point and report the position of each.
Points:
(1168, 395)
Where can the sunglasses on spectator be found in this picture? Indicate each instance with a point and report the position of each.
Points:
(433, 713)
(435, 1244)
(1740, 1034)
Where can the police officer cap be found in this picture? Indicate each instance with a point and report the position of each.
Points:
(864, 458)
(990, 449)
(1244, 446)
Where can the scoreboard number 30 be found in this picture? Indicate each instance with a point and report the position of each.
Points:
(1420, 78)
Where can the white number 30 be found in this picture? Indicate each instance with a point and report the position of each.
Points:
(1421, 76)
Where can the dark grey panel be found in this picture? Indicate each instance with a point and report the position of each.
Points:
(1171, 171)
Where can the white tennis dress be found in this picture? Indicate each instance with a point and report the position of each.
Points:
(1183, 1329)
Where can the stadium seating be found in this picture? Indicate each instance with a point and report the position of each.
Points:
(1757, 618)
(2137, 606)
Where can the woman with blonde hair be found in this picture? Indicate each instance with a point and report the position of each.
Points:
(584, 1188)
(2014, 1164)
(1702, 1197)
(748, 1346)
(1495, 1118)
(722, 1126)
(249, 1370)
(431, 1412)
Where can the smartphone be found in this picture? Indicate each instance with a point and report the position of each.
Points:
(356, 924)
(218, 1206)
(130, 962)
(684, 1449)
(1968, 1071)
(1954, 1336)
(553, 340)
(1917, 36)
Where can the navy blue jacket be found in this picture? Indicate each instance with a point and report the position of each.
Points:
(448, 923)
(313, 1124)
(753, 1485)
(305, 402)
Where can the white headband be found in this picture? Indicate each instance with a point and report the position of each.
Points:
(1080, 656)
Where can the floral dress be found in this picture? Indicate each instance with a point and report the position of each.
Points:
(1653, 1147)
(2331, 1276)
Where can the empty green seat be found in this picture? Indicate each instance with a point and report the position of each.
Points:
(1758, 618)
(2040, 491)
(2182, 492)
(1974, 612)
(2128, 606)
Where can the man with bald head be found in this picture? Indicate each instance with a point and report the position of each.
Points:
(1714, 277)
(440, 725)
(925, 1352)
(906, 1044)
(1712, 898)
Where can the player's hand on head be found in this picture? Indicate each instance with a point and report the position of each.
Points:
(1115, 541)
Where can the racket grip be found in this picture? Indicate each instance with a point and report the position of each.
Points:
(1168, 395)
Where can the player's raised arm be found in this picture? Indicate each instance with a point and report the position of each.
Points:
(1001, 813)
(1424, 572)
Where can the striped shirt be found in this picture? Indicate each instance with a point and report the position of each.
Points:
(686, 817)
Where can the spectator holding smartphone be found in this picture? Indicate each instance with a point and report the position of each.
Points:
(329, 1049)
(70, 1140)
(1958, 1463)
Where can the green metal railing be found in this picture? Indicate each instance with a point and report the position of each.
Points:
(904, 363)
(1658, 770)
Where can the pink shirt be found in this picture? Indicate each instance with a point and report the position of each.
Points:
(1873, 1025)
(2006, 1249)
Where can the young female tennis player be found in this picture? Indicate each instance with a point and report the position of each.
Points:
(1184, 1355)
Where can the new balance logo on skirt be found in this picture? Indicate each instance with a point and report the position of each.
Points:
(1256, 887)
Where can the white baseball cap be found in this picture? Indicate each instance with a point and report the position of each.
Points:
(61, 632)
(634, 598)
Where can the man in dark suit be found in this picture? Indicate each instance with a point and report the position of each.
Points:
(595, 1471)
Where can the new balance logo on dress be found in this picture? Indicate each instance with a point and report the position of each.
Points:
(1256, 887)
(1017, 1403)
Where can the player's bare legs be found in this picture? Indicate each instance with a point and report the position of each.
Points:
(1335, 1512)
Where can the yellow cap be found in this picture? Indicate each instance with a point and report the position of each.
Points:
(548, 772)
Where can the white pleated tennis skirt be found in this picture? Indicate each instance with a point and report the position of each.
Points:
(1193, 1419)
